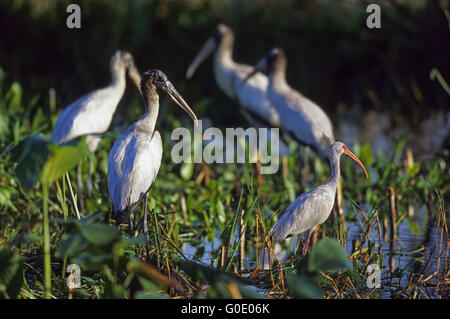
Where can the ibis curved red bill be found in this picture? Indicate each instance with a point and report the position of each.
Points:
(353, 157)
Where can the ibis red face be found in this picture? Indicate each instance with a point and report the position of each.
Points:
(353, 157)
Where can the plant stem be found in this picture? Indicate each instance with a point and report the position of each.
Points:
(73, 196)
(47, 265)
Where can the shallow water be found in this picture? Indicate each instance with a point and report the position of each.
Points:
(425, 260)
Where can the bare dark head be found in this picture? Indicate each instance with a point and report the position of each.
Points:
(155, 82)
(273, 62)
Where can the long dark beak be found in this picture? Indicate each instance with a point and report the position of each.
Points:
(206, 50)
(134, 75)
(353, 157)
(178, 99)
(260, 67)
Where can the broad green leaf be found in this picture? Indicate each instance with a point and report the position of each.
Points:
(327, 255)
(98, 234)
(302, 288)
(70, 245)
(30, 155)
(61, 160)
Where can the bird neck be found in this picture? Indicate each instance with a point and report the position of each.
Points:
(118, 78)
(335, 169)
(224, 52)
(151, 102)
(277, 76)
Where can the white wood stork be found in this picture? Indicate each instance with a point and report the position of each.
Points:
(91, 114)
(230, 75)
(313, 208)
(301, 117)
(135, 158)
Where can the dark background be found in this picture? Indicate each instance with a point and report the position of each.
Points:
(333, 58)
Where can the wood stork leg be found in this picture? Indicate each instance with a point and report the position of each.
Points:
(89, 176)
(130, 226)
(145, 225)
(145, 216)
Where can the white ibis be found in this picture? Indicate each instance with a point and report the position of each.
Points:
(313, 208)
(135, 158)
(230, 75)
(301, 117)
(91, 114)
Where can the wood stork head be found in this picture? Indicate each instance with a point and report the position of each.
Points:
(273, 62)
(222, 38)
(338, 148)
(155, 82)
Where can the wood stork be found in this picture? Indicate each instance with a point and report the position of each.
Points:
(135, 158)
(313, 208)
(304, 119)
(230, 75)
(91, 114)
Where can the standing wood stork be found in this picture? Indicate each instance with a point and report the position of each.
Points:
(313, 208)
(304, 119)
(135, 158)
(91, 114)
(230, 75)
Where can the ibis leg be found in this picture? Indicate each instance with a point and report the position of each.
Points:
(305, 248)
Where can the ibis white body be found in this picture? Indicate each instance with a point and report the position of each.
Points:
(314, 207)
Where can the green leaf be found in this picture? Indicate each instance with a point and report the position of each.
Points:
(414, 169)
(11, 273)
(63, 159)
(30, 155)
(327, 255)
(70, 245)
(366, 154)
(302, 288)
(98, 234)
